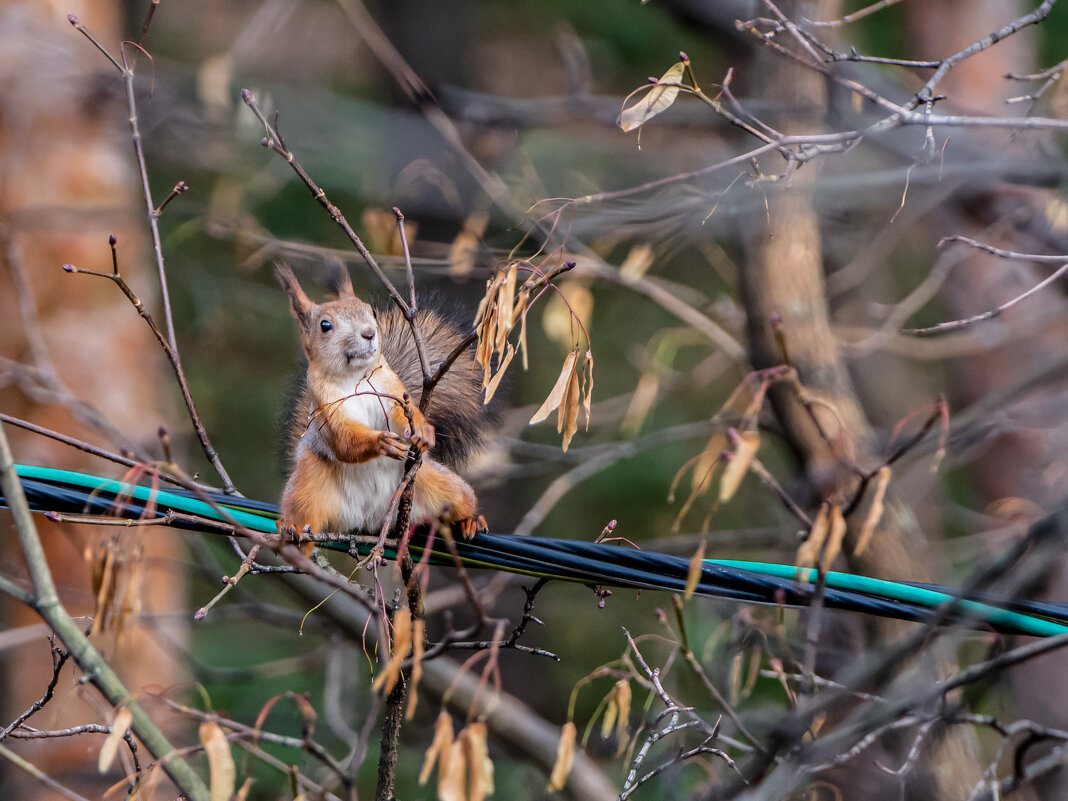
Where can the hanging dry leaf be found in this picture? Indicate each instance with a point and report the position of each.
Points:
(556, 395)
(567, 415)
(452, 775)
(418, 636)
(623, 697)
(439, 750)
(382, 233)
(479, 764)
(655, 99)
(810, 548)
(220, 761)
(495, 382)
(637, 262)
(734, 677)
(402, 645)
(565, 758)
(641, 403)
(693, 572)
(834, 537)
(875, 511)
(746, 445)
(707, 461)
(611, 711)
(119, 727)
(587, 386)
(464, 249)
(506, 307)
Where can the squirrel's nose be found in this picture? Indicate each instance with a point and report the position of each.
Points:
(368, 334)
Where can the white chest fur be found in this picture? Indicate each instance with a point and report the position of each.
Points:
(363, 489)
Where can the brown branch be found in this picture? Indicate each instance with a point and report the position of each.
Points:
(273, 141)
(988, 315)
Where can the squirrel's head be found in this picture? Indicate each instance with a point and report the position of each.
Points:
(340, 337)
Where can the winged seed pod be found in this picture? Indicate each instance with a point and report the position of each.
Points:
(565, 758)
(657, 98)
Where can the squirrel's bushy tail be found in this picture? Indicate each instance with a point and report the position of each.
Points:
(461, 421)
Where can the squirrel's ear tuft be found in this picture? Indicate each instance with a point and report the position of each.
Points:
(337, 280)
(298, 300)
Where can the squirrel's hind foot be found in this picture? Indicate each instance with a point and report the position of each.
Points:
(470, 526)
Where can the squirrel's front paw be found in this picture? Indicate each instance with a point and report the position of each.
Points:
(423, 436)
(392, 445)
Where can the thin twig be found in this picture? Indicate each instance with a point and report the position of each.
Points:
(988, 315)
(172, 357)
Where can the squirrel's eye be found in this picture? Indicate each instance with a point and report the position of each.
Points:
(326, 326)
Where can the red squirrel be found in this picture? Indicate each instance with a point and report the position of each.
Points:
(349, 435)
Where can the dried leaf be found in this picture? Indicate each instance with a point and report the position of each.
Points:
(745, 448)
(834, 537)
(565, 757)
(693, 573)
(641, 403)
(557, 393)
(402, 645)
(567, 418)
(439, 751)
(452, 775)
(810, 548)
(1056, 212)
(655, 99)
(875, 511)
(623, 700)
(479, 764)
(524, 300)
(637, 262)
(587, 386)
(119, 726)
(246, 788)
(506, 307)
(464, 249)
(611, 712)
(495, 382)
(220, 761)
(701, 479)
(734, 677)
(382, 234)
(418, 635)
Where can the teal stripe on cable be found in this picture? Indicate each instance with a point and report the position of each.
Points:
(160, 497)
(931, 599)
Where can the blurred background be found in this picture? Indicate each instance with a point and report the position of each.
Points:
(475, 118)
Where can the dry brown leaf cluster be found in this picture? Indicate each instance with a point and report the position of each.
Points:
(573, 388)
(465, 770)
(495, 319)
(504, 305)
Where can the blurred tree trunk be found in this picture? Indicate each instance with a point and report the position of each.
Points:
(783, 277)
(67, 181)
(1026, 466)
